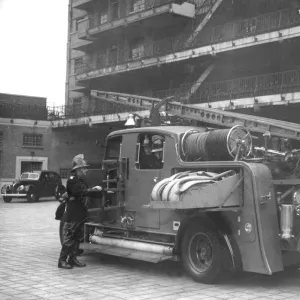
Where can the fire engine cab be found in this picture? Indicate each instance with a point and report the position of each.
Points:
(214, 199)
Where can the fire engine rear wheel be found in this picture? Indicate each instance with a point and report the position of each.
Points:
(201, 253)
(7, 199)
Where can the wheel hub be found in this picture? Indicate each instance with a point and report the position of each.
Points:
(200, 252)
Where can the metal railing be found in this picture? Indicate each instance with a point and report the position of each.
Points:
(227, 32)
(101, 18)
(86, 109)
(260, 85)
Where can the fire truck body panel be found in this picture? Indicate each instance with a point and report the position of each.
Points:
(253, 219)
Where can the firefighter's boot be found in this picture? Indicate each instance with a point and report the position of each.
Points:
(73, 261)
(62, 261)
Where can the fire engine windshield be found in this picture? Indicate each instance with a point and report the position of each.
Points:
(113, 147)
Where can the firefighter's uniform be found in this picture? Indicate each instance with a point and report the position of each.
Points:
(74, 216)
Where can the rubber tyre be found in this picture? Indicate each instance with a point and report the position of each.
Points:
(7, 199)
(32, 196)
(191, 259)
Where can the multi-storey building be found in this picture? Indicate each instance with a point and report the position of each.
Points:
(229, 54)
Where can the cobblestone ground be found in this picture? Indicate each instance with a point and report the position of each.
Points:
(29, 248)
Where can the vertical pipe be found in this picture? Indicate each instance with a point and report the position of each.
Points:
(68, 52)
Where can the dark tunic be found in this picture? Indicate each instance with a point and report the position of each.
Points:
(77, 189)
(150, 162)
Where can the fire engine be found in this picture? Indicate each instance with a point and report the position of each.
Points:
(217, 199)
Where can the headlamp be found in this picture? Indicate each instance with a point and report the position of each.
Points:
(20, 188)
(296, 198)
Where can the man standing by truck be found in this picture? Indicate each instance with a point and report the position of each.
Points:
(75, 213)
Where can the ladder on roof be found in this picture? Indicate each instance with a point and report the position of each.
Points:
(208, 116)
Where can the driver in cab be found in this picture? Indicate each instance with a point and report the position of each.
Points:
(153, 153)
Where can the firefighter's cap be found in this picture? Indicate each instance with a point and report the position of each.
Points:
(157, 143)
(79, 162)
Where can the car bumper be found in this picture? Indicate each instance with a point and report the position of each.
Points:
(14, 195)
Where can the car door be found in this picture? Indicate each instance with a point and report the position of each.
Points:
(52, 183)
(42, 187)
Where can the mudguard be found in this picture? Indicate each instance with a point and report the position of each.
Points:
(258, 230)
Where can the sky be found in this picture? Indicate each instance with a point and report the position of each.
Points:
(33, 48)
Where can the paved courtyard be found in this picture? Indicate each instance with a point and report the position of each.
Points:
(29, 248)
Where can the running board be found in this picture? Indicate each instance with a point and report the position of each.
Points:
(126, 253)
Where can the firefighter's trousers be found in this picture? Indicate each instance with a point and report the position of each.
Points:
(72, 235)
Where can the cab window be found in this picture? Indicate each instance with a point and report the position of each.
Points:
(150, 151)
(113, 147)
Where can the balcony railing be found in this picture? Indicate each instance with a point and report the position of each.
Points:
(260, 85)
(85, 109)
(266, 84)
(101, 18)
(227, 32)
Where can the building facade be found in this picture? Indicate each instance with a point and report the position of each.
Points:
(29, 143)
(227, 54)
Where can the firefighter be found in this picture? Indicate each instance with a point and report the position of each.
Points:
(152, 159)
(157, 149)
(75, 213)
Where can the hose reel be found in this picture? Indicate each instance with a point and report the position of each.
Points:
(215, 145)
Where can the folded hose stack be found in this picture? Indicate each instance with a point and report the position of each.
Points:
(171, 188)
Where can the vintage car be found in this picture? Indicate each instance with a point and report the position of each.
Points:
(33, 186)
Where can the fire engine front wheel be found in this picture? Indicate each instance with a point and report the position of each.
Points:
(201, 253)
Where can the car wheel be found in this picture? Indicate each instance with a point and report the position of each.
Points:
(201, 253)
(7, 199)
(32, 196)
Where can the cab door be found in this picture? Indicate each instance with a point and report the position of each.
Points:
(139, 184)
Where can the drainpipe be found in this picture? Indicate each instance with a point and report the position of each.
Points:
(68, 51)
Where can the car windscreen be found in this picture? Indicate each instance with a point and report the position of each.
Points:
(30, 176)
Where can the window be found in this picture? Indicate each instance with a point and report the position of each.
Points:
(113, 148)
(32, 140)
(78, 64)
(138, 5)
(77, 21)
(151, 151)
(54, 177)
(137, 49)
(103, 18)
(30, 176)
(64, 173)
(115, 10)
